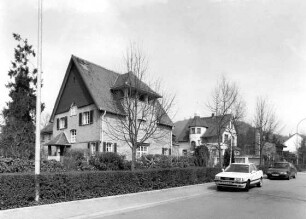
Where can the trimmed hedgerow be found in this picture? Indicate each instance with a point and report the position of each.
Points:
(17, 190)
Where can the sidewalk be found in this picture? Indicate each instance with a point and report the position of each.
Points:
(90, 208)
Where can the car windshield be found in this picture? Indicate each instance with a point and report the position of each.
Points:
(237, 168)
(281, 165)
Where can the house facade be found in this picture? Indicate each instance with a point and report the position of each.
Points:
(197, 131)
(88, 108)
(293, 143)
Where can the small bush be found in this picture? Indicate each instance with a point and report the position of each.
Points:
(107, 161)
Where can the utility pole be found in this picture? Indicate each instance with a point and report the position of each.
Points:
(38, 101)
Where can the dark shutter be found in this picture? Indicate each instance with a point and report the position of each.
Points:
(115, 147)
(88, 145)
(91, 116)
(57, 124)
(66, 122)
(170, 151)
(80, 119)
(97, 146)
(163, 151)
(104, 146)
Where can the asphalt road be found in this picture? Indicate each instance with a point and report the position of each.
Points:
(276, 199)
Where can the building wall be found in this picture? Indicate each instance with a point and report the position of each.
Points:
(75, 92)
(110, 123)
(293, 143)
(84, 133)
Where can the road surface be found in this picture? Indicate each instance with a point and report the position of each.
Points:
(276, 199)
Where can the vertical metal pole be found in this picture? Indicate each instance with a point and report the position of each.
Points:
(38, 101)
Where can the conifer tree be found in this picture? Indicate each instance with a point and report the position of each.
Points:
(18, 139)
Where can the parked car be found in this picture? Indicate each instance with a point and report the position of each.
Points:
(284, 170)
(239, 175)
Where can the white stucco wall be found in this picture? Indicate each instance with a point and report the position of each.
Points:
(293, 143)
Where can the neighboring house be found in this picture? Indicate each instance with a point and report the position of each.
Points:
(46, 135)
(197, 131)
(88, 103)
(293, 143)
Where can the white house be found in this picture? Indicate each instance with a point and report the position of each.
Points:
(293, 143)
(197, 131)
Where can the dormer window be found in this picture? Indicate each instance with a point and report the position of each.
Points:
(192, 131)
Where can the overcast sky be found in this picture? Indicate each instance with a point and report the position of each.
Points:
(259, 44)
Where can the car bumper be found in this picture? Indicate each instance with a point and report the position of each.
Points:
(231, 184)
(277, 175)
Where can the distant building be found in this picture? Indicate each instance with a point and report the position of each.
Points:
(197, 131)
(293, 143)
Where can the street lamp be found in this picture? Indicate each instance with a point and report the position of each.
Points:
(297, 133)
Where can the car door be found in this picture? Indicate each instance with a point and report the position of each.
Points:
(254, 174)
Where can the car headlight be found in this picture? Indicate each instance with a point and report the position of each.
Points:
(239, 179)
(217, 177)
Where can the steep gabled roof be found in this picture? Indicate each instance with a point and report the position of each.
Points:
(47, 129)
(181, 128)
(100, 82)
(129, 80)
(60, 139)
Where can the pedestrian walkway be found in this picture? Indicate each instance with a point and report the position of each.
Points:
(90, 208)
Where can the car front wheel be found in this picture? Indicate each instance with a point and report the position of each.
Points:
(247, 186)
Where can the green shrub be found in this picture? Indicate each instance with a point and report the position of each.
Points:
(17, 190)
(107, 161)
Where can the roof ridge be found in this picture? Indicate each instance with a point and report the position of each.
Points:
(118, 74)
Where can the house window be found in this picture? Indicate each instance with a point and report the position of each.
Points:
(225, 138)
(94, 148)
(165, 151)
(73, 136)
(142, 150)
(73, 110)
(192, 131)
(86, 118)
(109, 147)
(184, 152)
(61, 123)
(198, 130)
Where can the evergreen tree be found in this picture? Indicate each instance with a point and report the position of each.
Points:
(201, 155)
(18, 138)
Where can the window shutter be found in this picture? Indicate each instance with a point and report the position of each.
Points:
(80, 119)
(66, 122)
(170, 151)
(98, 146)
(163, 151)
(57, 124)
(91, 116)
(115, 147)
(88, 145)
(104, 146)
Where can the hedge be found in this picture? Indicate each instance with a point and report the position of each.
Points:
(17, 190)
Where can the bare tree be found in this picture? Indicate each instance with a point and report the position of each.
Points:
(143, 112)
(265, 122)
(227, 106)
(45, 118)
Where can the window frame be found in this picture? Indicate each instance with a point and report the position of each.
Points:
(73, 110)
(198, 130)
(142, 150)
(73, 133)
